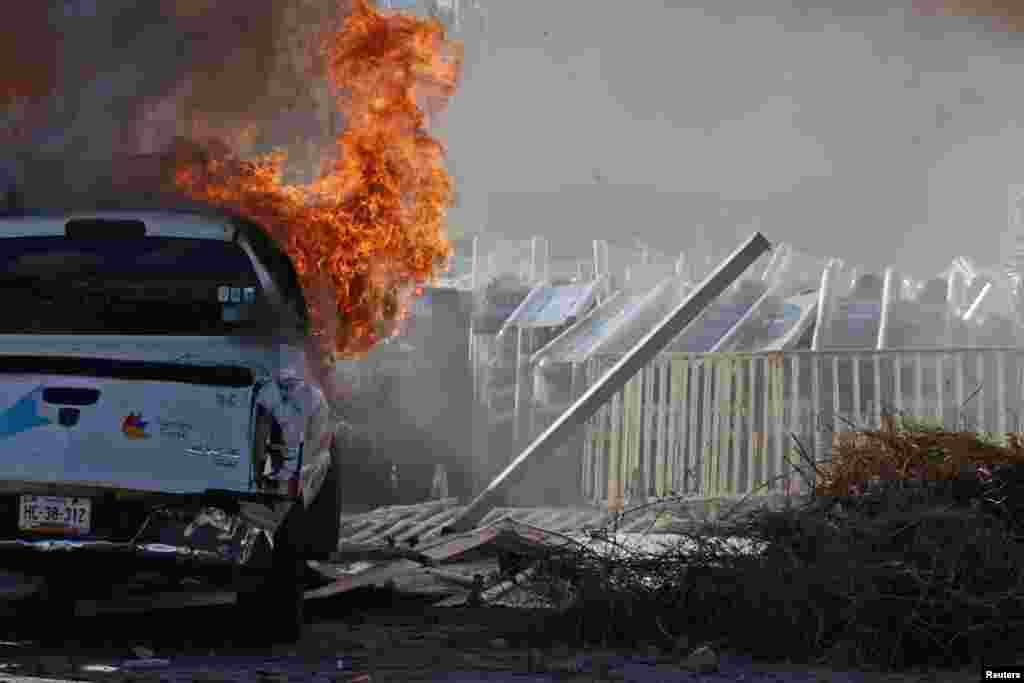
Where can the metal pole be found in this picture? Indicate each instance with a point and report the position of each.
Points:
(534, 260)
(545, 259)
(607, 386)
(472, 303)
(824, 312)
(518, 386)
(887, 293)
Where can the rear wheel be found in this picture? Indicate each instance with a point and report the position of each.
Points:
(323, 519)
(275, 610)
(52, 609)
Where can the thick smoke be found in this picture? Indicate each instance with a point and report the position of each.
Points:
(95, 89)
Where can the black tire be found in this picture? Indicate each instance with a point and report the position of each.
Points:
(323, 518)
(275, 611)
(54, 605)
(276, 608)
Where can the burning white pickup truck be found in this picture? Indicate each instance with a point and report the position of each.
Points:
(154, 412)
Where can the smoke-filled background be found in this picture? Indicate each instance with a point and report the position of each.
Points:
(841, 129)
(872, 131)
(865, 130)
(90, 85)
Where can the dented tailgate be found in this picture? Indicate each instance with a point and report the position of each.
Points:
(139, 425)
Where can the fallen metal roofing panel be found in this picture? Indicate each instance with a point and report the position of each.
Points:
(425, 521)
(470, 559)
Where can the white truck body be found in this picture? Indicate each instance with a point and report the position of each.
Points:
(127, 379)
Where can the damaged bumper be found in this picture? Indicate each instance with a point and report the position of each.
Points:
(178, 536)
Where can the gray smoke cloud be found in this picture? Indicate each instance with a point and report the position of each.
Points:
(129, 77)
(859, 130)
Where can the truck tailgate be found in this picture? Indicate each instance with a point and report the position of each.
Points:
(125, 424)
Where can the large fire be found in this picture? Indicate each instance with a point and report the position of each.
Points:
(28, 41)
(1006, 14)
(372, 225)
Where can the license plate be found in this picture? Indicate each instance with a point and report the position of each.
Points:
(55, 514)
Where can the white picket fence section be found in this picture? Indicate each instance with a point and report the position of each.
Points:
(719, 425)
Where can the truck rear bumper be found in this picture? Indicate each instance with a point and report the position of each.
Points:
(207, 535)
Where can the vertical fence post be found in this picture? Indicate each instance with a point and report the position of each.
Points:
(775, 394)
(918, 385)
(694, 453)
(714, 420)
(634, 393)
(615, 452)
(897, 372)
(755, 453)
(959, 364)
(588, 440)
(603, 442)
(517, 388)
(739, 421)
(1001, 392)
(856, 391)
(798, 417)
(876, 362)
(725, 410)
(663, 438)
(769, 433)
(816, 407)
(706, 454)
(1019, 391)
(836, 405)
(677, 423)
(649, 429)
(979, 362)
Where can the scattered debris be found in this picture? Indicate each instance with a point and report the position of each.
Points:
(702, 660)
(147, 663)
(100, 668)
(271, 676)
(494, 564)
(53, 665)
(142, 652)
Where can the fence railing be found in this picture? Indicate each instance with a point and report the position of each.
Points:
(721, 425)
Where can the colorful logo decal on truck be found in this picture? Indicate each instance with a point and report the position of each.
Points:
(23, 415)
(133, 426)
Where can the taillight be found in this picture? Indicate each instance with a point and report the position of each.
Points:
(294, 487)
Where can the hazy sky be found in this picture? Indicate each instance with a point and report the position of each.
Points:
(883, 138)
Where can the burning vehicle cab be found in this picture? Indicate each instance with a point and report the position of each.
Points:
(155, 413)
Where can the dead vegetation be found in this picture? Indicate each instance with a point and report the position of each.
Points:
(908, 553)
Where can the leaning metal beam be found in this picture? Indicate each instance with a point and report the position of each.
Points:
(607, 386)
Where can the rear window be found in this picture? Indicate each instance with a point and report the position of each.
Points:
(143, 285)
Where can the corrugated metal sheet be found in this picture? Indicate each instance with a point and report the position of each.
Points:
(445, 566)
(425, 521)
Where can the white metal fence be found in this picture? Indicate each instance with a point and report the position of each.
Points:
(718, 425)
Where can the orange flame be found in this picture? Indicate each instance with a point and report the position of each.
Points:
(1006, 14)
(27, 40)
(372, 225)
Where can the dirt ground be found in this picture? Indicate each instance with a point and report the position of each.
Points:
(403, 642)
